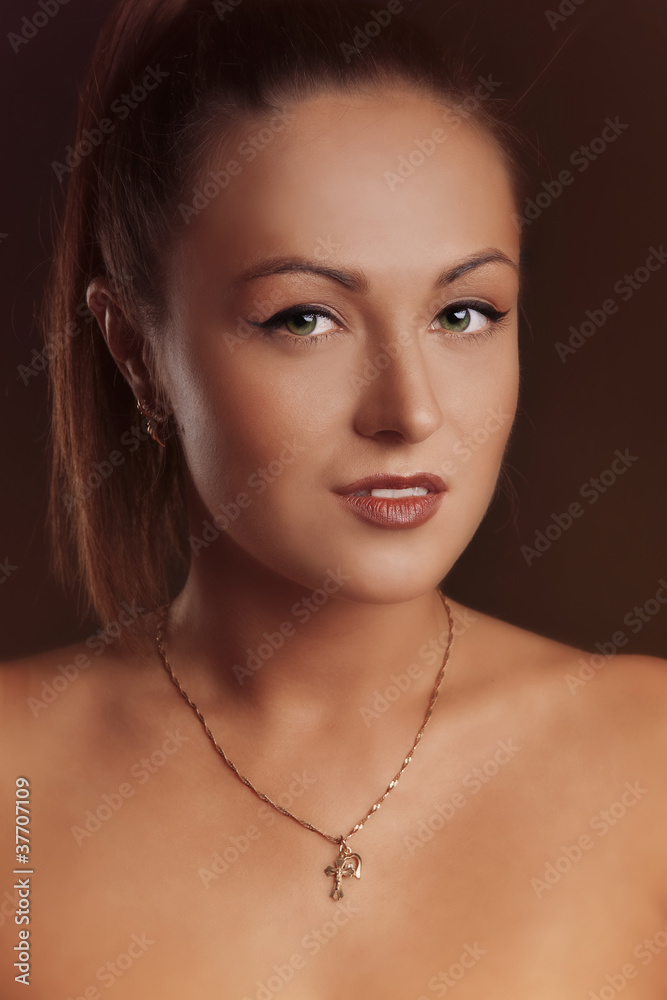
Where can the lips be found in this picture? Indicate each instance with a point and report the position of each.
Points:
(407, 511)
(390, 481)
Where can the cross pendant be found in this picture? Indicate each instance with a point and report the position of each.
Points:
(346, 865)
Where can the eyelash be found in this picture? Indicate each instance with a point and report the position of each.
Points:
(270, 327)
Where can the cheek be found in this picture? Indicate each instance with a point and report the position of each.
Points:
(242, 422)
(486, 407)
(276, 432)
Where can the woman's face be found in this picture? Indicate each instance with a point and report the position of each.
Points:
(385, 224)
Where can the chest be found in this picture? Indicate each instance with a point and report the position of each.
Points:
(170, 884)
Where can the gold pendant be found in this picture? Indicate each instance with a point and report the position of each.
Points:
(346, 865)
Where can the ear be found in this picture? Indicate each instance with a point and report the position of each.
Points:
(128, 346)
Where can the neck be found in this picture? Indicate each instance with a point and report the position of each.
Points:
(278, 653)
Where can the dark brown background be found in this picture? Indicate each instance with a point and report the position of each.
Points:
(606, 59)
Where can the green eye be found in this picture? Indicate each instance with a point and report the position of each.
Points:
(456, 320)
(301, 329)
(301, 323)
(469, 318)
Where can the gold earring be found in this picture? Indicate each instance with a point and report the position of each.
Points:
(153, 419)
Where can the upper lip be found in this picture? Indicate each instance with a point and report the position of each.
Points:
(393, 481)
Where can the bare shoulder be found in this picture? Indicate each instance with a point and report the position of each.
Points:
(531, 650)
(30, 684)
(591, 729)
(65, 690)
(620, 697)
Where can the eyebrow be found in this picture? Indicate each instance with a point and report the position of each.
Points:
(355, 280)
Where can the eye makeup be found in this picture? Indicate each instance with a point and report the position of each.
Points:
(454, 320)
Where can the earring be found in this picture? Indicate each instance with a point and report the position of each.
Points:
(153, 419)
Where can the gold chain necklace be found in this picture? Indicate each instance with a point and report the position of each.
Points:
(347, 863)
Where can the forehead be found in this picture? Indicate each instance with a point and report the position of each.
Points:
(380, 175)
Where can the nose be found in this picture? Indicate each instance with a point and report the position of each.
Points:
(396, 399)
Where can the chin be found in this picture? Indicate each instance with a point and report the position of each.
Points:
(382, 591)
(373, 565)
(379, 577)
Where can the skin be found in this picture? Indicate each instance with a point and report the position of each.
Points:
(518, 762)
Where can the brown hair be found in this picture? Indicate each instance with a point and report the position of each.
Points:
(169, 78)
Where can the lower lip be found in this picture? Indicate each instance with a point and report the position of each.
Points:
(387, 512)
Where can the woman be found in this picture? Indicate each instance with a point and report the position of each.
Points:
(297, 233)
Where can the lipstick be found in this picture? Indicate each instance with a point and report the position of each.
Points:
(389, 500)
